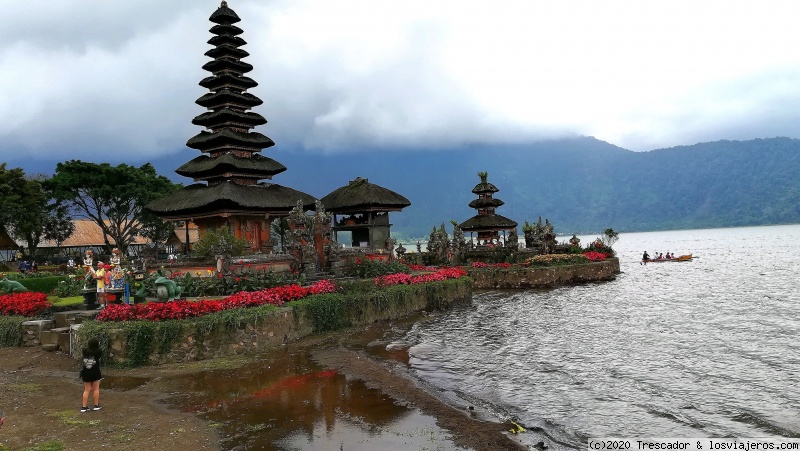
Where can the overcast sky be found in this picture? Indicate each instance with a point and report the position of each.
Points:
(80, 78)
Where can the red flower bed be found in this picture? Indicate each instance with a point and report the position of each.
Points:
(25, 304)
(408, 279)
(595, 256)
(154, 311)
(487, 265)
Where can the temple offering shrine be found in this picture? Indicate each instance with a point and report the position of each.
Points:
(228, 189)
(362, 208)
(487, 224)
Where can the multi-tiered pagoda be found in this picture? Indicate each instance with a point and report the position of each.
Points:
(229, 190)
(487, 224)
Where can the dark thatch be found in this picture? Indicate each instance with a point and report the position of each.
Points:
(223, 115)
(204, 166)
(232, 30)
(484, 187)
(227, 39)
(215, 82)
(208, 140)
(227, 64)
(224, 15)
(486, 202)
(360, 194)
(487, 222)
(227, 50)
(200, 199)
(223, 96)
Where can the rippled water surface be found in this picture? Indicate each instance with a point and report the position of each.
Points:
(706, 348)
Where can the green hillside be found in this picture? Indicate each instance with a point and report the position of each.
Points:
(582, 185)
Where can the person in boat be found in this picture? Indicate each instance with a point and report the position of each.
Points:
(661, 256)
(645, 256)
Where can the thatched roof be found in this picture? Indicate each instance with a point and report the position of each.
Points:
(207, 140)
(215, 82)
(203, 200)
(228, 115)
(359, 194)
(204, 166)
(87, 233)
(484, 187)
(178, 236)
(487, 222)
(224, 15)
(486, 202)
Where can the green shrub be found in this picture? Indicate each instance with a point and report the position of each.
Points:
(10, 332)
(42, 284)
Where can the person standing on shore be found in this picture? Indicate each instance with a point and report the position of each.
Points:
(90, 374)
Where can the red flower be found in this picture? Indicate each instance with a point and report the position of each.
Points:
(28, 303)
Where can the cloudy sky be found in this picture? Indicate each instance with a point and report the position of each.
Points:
(83, 78)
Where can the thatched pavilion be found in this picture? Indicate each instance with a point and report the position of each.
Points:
(362, 208)
(228, 189)
(487, 224)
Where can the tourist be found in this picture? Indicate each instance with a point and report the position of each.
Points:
(100, 276)
(645, 256)
(34, 266)
(90, 374)
(71, 263)
(661, 256)
(22, 267)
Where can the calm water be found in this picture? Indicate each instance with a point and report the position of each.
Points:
(707, 348)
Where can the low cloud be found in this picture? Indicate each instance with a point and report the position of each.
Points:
(105, 81)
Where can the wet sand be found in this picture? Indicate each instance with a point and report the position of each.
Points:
(354, 400)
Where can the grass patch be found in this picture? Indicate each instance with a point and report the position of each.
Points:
(69, 417)
(122, 437)
(26, 387)
(52, 445)
(66, 302)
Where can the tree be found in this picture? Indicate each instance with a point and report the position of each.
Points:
(12, 182)
(30, 214)
(110, 196)
(219, 241)
(609, 237)
(58, 226)
(155, 229)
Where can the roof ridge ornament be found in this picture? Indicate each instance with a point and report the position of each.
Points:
(224, 4)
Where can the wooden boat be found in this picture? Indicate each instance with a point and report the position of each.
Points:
(682, 258)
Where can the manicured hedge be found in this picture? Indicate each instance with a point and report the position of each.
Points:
(42, 284)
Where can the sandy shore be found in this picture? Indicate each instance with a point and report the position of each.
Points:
(40, 395)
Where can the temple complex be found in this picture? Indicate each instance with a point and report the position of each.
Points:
(487, 224)
(362, 208)
(228, 189)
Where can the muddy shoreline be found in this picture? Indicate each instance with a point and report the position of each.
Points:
(39, 393)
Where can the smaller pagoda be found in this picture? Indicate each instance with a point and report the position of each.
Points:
(362, 208)
(487, 224)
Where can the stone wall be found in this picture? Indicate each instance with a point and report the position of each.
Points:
(521, 277)
(289, 324)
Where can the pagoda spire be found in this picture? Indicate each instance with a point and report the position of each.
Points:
(231, 146)
(229, 174)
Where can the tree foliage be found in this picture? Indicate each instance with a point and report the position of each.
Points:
(27, 210)
(219, 241)
(110, 196)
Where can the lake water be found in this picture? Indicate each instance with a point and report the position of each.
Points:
(706, 348)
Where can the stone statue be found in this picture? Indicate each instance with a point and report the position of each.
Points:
(11, 286)
(167, 290)
(116, 259)
(575, 241)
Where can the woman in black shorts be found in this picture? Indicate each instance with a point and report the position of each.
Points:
(90, 374)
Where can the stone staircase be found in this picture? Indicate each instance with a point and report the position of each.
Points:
(55, 334)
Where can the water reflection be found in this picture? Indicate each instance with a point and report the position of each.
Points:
(287, 401)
